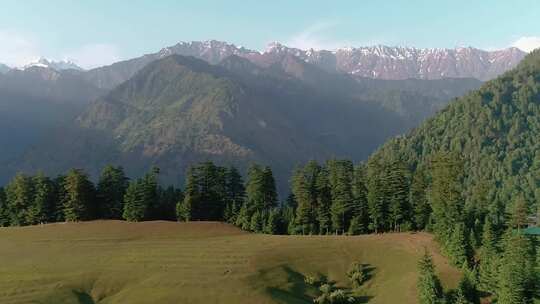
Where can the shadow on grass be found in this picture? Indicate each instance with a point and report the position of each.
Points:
(83, 297)
(299, 292)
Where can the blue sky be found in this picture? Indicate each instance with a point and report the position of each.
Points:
(98, 32)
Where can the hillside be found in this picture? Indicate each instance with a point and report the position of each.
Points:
(495, 130)
(168, 262)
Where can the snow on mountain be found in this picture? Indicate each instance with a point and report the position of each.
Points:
(386, 62)
(56, 65)
(379, 62)
(383, 62)
(212, 51)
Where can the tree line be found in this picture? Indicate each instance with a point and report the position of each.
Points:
(29, 200)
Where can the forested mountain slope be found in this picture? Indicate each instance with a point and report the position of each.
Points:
(496, 130)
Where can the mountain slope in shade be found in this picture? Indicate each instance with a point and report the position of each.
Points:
(180, 110)
(496, 129)
(379, 62)
(37, 101)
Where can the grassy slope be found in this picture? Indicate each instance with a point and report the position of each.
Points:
(165, 262)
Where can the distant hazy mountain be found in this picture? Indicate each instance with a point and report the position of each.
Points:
(37, 101)
(66, 86)
(4, 68)
(378, 62)
(56, 65)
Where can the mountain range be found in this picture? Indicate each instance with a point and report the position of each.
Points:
(378, 62)
(215, 101)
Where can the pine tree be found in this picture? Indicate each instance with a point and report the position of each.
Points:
(185, 208)
(398, 191)
(141, 201)
(60, 197)
(236, 194)
(243, 220)
(429, 286)
(419, 201)
(467, 288)
(360, 210)
(377, 204)
(78, 203)
(457, 245)
(476, 210)
(274, 222)
(497, 216)
(4, 215)
(134, 205)
(42, 206)
(231, 212)
(150, 193)
(255, 189)
(324, 201)
(270, 192)
(356, 227)
(445, 195)
(261, 194)
(516, 277)
(489, 259)
(235, 185)
(311, 174)
(166, 207)
(300, 189)
(256, 222)
(111, 189)
(518, 216)
(340, 176)
(212, 192)
(19, 197)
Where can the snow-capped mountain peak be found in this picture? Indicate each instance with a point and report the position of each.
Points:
(55, 65)
(378, 61)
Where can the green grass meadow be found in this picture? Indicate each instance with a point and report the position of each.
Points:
(168, 262)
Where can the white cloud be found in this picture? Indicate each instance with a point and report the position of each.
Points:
(94, 55)
(527, 44)
(314, 37)
(16, 48)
